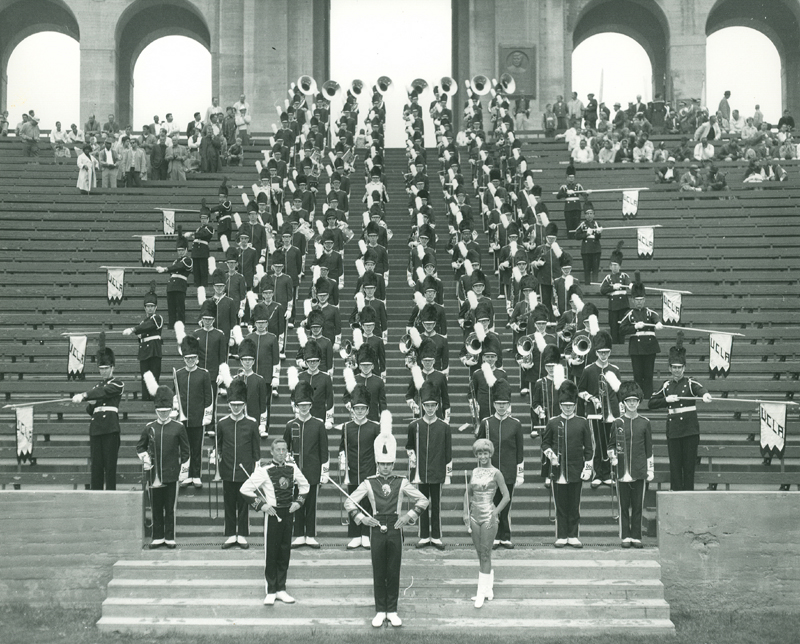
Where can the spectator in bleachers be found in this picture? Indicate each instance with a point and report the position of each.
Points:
(724, 124)
(620, 119)
(656, 113)
(714, 180)
(109, 162)
(786, 119)
(672, 123)
(788, 148)
(643, 150)
(156, 125)
(58, 141)
(87, 170)
(147, 142)
(737, 123)
(235, 153)
(623, 154)
(213, 110)
(783, 133)
(196, 124)
(749, 130)
(241, 103)
(170, 126)
(724, 107)
(603, 125)
(607, 152)
(703, 151)
(75, 138)
(193, 149)
(92, 128)
(590, 111)
(176, 156)
(561, 111)
(661, 154)
(710, 130)
(549, 121)
(29, 134)
(20, 124)
(583, 153)
(640, 124)
(637, 107)
(730, 151)
(242, 120)
(159, 167)
(4, 123)
(209, 151)
(758, 117)
(110, 126)
(229, 125)
(667, 173)
(691, 180)
(575, 110)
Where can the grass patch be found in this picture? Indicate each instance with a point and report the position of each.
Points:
(32, 625)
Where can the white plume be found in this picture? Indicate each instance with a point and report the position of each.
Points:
(612, 380)
(225, 374)
(577, 301)
(568, 282)
(365, 217)
(358, 339)
(318, 250)
(473, 299)
(201, 295)
(260, 271)
(306, 307)
(541, 343)
(223, 241)
(480, 332)
(292, 377)
(360, 267)
(362, 246)
(594, 325)
(180, 332)
(419, 300)
(271, 245)
(517, 274)
(237, 218)
(316, 273)
(556, 249)
(468, 267)
(416, 375)
(544, 218)
(416, 338)
(212, 265)
(150, 382)
(386, 422)
(349, 379)
(302, 336)
(420, 251)
(559, 376)
(252, 300)
(360, 302)
(236, 332)
(320, 226)
(462, 248)
(488, 374)
(533, 300)
(420, 273)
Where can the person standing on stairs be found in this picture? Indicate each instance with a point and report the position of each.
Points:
(482, 516)
(149, 332)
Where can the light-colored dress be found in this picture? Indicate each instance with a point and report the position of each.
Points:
(482, 488)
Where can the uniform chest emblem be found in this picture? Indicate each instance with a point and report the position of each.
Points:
(283, 482)
(386, 489)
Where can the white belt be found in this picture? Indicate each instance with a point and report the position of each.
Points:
(107, 408)
(681, 410)
(201, 241)
(619, 292)
(151, 337)
(640, 333)
(180, 277)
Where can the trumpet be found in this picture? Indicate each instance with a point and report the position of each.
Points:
(480, 84)
(307, 85)
(382, 85)
(356, 87)
(448, 86)
(581, 343)
(330, 89)
(506, 84)
(473, 345)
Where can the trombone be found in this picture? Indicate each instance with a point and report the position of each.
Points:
(217, 478)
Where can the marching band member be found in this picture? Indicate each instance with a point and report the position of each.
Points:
(430, 453)
(246, 259)
(615, 285)
(545, 262)
(276, 313)
(257, 388)
(271, 489)
(505, 433)
(383, 494)
(369, 260)
(482, 305)
(641, 324)
(195, 405)
(267, 364)
(366, 359)
(238, 445)
(429, 288)
(567, 443)
(683, 428)
(332, 319)
(566, 285)
(200, 252)
(483, 513)
(381, 255)
(369, 285)
(589, 232)
(484, 378)
(369, 320)
(321, 383)
(598, 385)
(357, 458)
(307, 441)
(149, 332)
(314, 323)
(426, 356)
(544, 398)
(163, 448)
(237, 286)
(283, 286)
(429, 317)
(571, 193)
(177, 284)
(632, 443)
(227, 309)
(213, 349)
(104, 430)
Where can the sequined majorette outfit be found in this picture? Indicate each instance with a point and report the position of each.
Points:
(482, 489)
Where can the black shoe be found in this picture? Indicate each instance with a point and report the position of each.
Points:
(422, 544)
(712, 487)
(751, 438)
(767, 460)
(784, 487)
(626, 544)
(243, 546)
(228, 545)
(155, 546)
(637, 544)
(438, 546)
(171, 545)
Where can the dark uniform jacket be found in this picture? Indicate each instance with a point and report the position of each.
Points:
(571, 440)
(308, 442)
(227, 315)
(239, 443)
(149, 332)
(617, 300)
(332, 326)
(482, 392)
(589, 385)
(213, 351)
(168, 446)
(377, 393)
(195, 399)
(267, 355)
(506, 436)
(682, 419)
(179, 273)
(321, 383)
(632, 442)
(358, 443)
(438, 379)
(202, 236)
(257, 391)
(644, 342)
(104, 406)
(590, 238)
(432, 444)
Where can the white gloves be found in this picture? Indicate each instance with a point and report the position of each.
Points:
(706, 397)
(275, 382)
(659, 326)
(77, 398)
(651, 468)
(672, 398)
(412, 458)
(613, 456)
(520, 475)
(127, 331)
(184, 473)
(325, 473)
(342, 461)
(638, 326)
(586, 473)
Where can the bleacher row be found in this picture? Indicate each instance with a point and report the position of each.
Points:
(736, 252)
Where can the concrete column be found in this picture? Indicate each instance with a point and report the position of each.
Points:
(790, 82)
(686, 55)
(99, 80)
(266, 74)
(228, 61)
(555, 53)
(3, 90)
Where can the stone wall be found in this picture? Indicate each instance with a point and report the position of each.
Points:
(730, 550)
(58, 547)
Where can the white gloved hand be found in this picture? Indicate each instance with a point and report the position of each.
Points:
(288, 315)
(651, 475)
(275, 382)
(241, 313)
(342, 461)
(519, 481)
(412, 458)
(231, 342)
(328, 424)
(707, 397)
(586, 473)
(262, 429)
(160, 269)
(447, 480)
(638, 326)
(672, 398)
(77, 398)
(614, 459)
(659, 326)
(325, 478)
(127, 331)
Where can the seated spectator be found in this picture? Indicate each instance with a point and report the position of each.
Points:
(667, 173)
(723, 123)
(583, 153)
(703, 150)
(685, 151)
(641, 124)
(623, 154)
(775, 172)
(58, 141)
(672, 123)
(661, 154)
(92, 128)
(754, 172)
(607, 152)
(603, 126)
(110, 126)
(737, 123)
(640, 153)
(749, 130)
(20, 124)
(197, 124)
(691, 181)
(4, 123)
(714, 180)
(788, 149)
(783, 132)
(710, 130)
(786, 119)
(235, 153)
(730, 151)
(75, 138)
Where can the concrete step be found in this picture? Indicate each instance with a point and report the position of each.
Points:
(257, 625)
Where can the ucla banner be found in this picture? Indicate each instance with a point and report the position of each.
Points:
(77, 357)
(116, 284)
(671, 304)
(169, 222)
(773, 429)
(644, 240)
(25, 434)
(630, 203)
(148, 250)
(719, 359)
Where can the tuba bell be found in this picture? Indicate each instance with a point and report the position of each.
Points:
(382, 84)
(480, 84)
(525, 345)
(307, 85)
(448, 86)
(581, 343)
(406, 344)
(330, 89)
(473, 345)
(507, 84)
(356, 87)
(418, 85)
(346, 350)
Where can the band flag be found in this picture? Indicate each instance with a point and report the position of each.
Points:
(148, 250)
(671, 304)
(773, 429)
(169, 222)
(116, 284)
(25, 434)
(77, 357)
(644, 239)
(720, 347)
(630, 203)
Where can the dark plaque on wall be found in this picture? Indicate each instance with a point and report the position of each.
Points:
(520, 62)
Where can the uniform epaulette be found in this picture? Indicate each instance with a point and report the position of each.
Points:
(250, 417)
(645, 417)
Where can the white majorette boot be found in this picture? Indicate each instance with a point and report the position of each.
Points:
(483, 584)
(490, 586)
